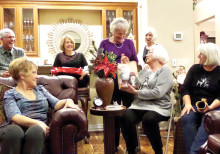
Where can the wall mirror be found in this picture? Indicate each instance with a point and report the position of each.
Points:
(79, 32)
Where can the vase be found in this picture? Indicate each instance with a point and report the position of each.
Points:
(104, 88)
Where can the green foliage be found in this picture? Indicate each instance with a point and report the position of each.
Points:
(101, 63)
(177, 96)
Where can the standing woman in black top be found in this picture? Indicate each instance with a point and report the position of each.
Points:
(202, 81)
(70, 58)
(150, 38)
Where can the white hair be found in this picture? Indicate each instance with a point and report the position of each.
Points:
(160, 53)
(152, 31)
(119, 23)
(211, 51)
(4, 31)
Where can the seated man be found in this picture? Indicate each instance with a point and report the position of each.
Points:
(8, 51)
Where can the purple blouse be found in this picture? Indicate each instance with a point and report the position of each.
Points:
(127, 48)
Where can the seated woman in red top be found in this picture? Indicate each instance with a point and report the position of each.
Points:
(70, 58)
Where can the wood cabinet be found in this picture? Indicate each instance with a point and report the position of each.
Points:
(22, 17)
(129, 14)
(23, 21)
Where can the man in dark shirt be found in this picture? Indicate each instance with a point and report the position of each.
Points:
(8, 51)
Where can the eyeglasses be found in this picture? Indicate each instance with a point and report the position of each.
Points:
(10, 37)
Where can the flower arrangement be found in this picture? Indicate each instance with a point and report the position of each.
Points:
(103, 64)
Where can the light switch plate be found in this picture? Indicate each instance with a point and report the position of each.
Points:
(178, 36)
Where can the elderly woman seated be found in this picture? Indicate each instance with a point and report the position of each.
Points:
(152, 101)
(26, 108)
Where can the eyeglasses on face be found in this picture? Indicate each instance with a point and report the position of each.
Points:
(10, 37)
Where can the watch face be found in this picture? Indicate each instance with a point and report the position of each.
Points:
(98, 102)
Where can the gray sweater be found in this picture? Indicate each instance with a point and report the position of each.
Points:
(154, 92)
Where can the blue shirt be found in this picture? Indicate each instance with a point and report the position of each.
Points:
(15, 103)
(7, 56)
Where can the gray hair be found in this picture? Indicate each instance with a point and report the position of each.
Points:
(211, 51)
(63, 41)
(160, 53)
(119, 23)
(153, 32)
(4, 31)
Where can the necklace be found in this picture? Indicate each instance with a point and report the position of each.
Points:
(118, 46)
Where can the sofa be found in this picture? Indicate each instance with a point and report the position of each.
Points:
(212, 126)
(67, 126)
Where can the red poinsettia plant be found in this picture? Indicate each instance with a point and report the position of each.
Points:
(103, 64)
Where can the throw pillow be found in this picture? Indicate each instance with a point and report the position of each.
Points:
(3, 89)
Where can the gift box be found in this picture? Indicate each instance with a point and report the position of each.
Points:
(127, 74)
(66, 70)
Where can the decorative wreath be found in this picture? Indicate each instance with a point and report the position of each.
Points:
(76, 29)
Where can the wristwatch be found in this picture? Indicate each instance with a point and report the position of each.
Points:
(98, 103)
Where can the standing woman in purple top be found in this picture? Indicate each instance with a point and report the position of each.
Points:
(125, 51)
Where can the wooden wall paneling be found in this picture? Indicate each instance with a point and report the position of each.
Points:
(36, 31)
(18, 26)
(1, 17)
(104, 22)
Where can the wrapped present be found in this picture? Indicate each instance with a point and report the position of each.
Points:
(66, 70)
(128, 74)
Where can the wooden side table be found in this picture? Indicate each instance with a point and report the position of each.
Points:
(109, 126)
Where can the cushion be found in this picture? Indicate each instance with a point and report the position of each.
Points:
(3, 89)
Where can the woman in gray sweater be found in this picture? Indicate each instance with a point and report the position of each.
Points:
(152, 101)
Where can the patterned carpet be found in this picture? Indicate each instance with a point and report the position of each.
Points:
(96, 145)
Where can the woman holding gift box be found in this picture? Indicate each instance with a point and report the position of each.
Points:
(125, 51)
(202, 82)
(70, 58)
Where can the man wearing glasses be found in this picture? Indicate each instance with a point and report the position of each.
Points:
(8, 51)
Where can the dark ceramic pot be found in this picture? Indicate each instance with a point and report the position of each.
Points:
(104, 88)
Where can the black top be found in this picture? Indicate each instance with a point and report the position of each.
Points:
(146, 50)
(200, 83)
(145, 53)
(77, 60)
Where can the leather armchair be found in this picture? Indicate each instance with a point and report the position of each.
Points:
(83, 96)
(82, 93)
(67, 126)
(212, 126)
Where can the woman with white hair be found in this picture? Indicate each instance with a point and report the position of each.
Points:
(150, 38)
(202, 82)
(125, 51)
(152, 101)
